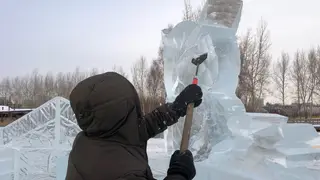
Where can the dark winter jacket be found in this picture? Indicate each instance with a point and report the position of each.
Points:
(112, 145)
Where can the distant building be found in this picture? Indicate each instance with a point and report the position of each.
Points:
(6, 112)
(4, 108)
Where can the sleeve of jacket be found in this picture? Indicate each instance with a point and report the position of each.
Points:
(157, 121)
(175, 177)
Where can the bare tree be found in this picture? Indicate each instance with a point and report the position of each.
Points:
(313, 82)
(27, 90)
(256, 58)
(139, 74)
(120, 71)
(49, 86)
(281, 76)
(6, 89)
(295, 78)
(154, 82)
(246, 50)
(17, 87)
(317, 92)
(93, 71)
(300, 79)
(37, 88)
(189, 13)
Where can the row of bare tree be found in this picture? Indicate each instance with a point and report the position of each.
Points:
(302, 74)
(291, 78)
(34, 89)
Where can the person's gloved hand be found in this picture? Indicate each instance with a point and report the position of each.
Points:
(182, 164)
(191, 94)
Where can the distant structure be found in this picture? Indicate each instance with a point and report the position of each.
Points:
(293, 110)
(8, 114)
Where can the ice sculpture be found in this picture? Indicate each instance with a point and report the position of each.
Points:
(33, 143)
(213, 33)
(228, 142)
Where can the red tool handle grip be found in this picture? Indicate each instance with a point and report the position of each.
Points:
(195, 80)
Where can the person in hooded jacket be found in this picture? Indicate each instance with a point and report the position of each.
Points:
(113, 142)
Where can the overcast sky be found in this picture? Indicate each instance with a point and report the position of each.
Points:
(59, 35)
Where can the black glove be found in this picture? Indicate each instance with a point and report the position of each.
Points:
(191, 94)
(182, 164)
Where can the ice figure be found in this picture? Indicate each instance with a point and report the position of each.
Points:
(214, 33)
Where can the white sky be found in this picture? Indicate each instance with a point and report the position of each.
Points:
(59, 35)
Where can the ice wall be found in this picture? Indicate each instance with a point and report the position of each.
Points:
(214, 33)
(53, 124)
(32, 144)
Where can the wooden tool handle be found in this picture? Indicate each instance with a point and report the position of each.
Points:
(187, 128)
